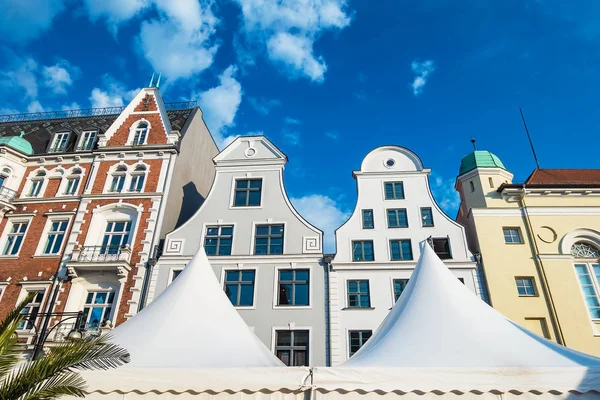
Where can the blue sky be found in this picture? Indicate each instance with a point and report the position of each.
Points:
(329, 80)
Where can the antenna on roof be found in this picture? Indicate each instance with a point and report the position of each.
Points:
(473, 142)
(151, 80)
(158, 81)
(529, 137)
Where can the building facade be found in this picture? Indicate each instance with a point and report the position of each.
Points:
(539, 243)
(267, 257)
(379, 245)
(84, 197)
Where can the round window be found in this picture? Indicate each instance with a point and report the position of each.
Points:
(390, 162)
(250, 152)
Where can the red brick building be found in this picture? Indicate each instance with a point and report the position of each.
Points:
(86, 197)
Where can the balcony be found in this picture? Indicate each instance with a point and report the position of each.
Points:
(7, 194)
(100, 258)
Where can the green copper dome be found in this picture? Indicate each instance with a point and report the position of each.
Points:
(479, 159)
(18, 143)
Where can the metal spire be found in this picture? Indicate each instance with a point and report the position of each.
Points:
(151, 80)
(158, 82)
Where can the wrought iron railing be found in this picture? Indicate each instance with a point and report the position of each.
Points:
(62, 332)
(99, 253)
(57, 149)
(84, 112)
(7, 194)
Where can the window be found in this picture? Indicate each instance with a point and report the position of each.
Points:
(358, 294)
(141, 132)
(362, 250)
(584, 250)
(14, 238)
(399, 286)
(291, 347)
(32, 310)
(397, 218)
(268, 239)
(56, 235)
(88, 140)
(426, 217)
(247, 193)
(137, 178)
(394, 190)
(239, 287)
(525, 286)
(36, 183)
(512, 235)
(115, 237)
(401, 250)
(118, 179)
(73, 182)
(60, 142)
(491, 181)
(176, 273)
(441, 246)
(367, 219)
(472, 186)
(293, 287)
(97, 309)
(218, 240)
(4, 175)
(357, 339)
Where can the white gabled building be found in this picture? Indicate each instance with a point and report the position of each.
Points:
(377, 247)
(266, 256)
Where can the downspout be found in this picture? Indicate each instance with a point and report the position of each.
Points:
(327, 258)
(541, 270)
(153, 247)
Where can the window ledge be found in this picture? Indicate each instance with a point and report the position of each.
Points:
(13, 257)
(284, 307)
(529, 295)
(46, 256)
(514, 243)
(358, 308)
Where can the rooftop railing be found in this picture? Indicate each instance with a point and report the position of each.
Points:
(84, 112)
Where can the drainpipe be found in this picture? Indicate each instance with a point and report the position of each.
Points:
(541, 271)
(327, 259)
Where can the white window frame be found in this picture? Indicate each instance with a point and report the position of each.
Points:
(83, 142)
(253, 238)
(8, 228)
(27, 288)
(274, 330)
(595, 281)
(133, 129)
(232, 192)
(233, 267)
(113, 307)
(55, 140)
(112, 172)
(39, 252)
(32, 179)
(133, 175)
(276, 306)
(348, 331)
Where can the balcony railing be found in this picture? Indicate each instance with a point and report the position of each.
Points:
(102, 253)
(61, 333)
(7, 194)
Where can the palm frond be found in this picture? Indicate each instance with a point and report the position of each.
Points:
(62, 384)
(89, 353)
(15, 314)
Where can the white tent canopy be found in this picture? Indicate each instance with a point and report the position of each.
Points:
(440, 337)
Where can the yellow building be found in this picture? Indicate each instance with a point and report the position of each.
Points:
(538, 244)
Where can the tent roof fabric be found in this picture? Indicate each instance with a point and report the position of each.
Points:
(438, 322)
(192, 324)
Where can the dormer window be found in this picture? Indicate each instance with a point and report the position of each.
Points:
(88, 140)
(36, 184)
(137, 179)
(141, 134)
(118, 179)
(73, 182)
(59, 142)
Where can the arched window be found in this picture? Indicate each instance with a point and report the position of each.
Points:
(137, 178)
(118, 179)
(141, 133)
(587, 267)
(4, 175)
(36, 183)
(73, 182)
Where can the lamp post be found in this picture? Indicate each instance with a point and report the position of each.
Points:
(44, 333)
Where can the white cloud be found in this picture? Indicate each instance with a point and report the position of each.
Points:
(60, 76)
(220, 105)
(8, 111)
(114, 11)
(180, 43)
(445, 194)
(292, 121)
(22, 21)
(288, 30)
(422, 70)
(72, 106)
(263, 105)
(332, 135)
(22, 77)
(324, 213)
(114, 94)
(291, 137)
(35, 107)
